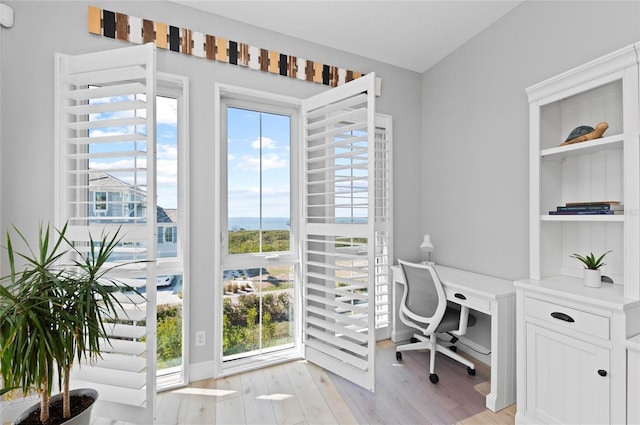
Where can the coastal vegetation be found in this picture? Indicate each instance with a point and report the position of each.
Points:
(248, 241)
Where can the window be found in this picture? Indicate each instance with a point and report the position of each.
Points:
(258, 259)
(258, 181)
(168, 234)
(100, 202)
(172, 196)
(124, 200)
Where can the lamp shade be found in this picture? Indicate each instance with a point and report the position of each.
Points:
(426, 244)
(6, 16)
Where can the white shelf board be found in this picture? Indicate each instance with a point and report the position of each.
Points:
(585, 218)
(566, 287)
(591, 146)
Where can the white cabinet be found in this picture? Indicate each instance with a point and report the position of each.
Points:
(566, 379)
(567, 375)
(571, 354)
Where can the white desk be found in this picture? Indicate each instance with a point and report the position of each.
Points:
(489, 295)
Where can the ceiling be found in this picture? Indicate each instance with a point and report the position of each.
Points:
(410, 34)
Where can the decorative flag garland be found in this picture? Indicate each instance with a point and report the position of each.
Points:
(136, 30)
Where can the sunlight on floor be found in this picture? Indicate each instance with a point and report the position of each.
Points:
(212, 392)
(275, 397)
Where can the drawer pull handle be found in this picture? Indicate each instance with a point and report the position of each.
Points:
(602, 372)
(562, 316)
(460, 296)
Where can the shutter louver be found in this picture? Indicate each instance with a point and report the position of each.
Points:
(105, 116)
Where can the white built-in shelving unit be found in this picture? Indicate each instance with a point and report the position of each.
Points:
(571, 354)
(605, 169)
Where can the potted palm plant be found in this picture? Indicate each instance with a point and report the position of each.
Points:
(592, 276)
(53, 316)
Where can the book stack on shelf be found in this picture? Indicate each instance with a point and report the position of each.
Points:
(589, 208)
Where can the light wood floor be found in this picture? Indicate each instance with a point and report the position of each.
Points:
(302, 393)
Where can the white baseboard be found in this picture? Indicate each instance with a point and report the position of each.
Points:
(474, 350)
(403, 335)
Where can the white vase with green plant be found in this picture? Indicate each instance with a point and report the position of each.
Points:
(592, 276)
(52, 313)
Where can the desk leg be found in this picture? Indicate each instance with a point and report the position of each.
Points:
(503, 354)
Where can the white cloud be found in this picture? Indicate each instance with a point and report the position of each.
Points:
(166, 172)
(166, 110)
(111, 132)
(244, 201)
(269, 162)
(122, 164)
(164, 151)
(115, 165)
(267, 143)
(243, 192)
(167, 154)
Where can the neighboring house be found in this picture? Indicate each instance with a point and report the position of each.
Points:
(167, 232)
(114, 198)
(118, 201)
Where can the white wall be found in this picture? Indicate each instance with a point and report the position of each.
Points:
(27, 133)
(475, 126)
(475, 131)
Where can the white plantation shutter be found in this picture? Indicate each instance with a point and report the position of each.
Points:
(105, 117)
(339, 231)
(383, 202)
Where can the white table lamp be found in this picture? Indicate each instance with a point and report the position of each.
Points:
(6, 16)
(427, 246)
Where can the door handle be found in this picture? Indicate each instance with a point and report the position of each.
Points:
(459, 296)
(602, 372)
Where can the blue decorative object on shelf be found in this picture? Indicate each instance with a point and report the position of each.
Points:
(585, 132)
(579, 131)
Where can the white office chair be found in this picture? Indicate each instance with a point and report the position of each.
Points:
(424, 307)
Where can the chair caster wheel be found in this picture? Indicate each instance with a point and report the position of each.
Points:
(398, 356)
(414, 340)
(433, 378)
(471, 372)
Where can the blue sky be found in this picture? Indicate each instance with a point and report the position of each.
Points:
(166, 152)
(258, 161)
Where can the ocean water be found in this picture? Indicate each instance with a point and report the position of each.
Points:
(273, 223)
(253, 223)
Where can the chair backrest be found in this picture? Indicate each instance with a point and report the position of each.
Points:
(423, 299)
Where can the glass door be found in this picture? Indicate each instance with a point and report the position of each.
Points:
(172, 227)
(259, 263)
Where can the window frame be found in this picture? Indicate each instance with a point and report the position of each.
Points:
(177, 87)
(259, 104)
(228, 95)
